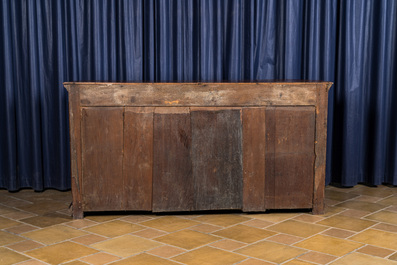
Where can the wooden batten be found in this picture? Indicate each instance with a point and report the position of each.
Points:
(213, 94)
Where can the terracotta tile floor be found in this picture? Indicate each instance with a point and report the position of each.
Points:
(359, 227)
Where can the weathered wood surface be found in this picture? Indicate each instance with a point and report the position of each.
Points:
(213, 94)
(102, 158)
(270, 161)
(138, 158)
(75, 152)
(320, 147)
(162, 149)
(172, 167)
(289, 157)
(216, 158)
(254, 135)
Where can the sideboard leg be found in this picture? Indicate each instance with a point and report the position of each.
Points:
(77, 212)
(318, 209)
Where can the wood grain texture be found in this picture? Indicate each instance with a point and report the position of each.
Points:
(102, 158)
(138, 158)
(254, 135)
(217, 159)
(189, 94)
(320, 147)
(75, 151)
(293, 113)
(290, 142)
(270, 155)
(172, 166)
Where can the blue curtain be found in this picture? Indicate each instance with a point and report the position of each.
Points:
(44, 43)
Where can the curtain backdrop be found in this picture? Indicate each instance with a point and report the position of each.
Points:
(44, 43)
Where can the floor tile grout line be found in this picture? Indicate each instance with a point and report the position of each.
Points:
(32, 259)
(170, 258)
(319, 233)
(335, 257)
(383, 209)
(388, 256)
(375, 201)
(145, 251)
(18, 199)
(385, 258)
(355, 232)
(374, 228)
(366, 245)
(353, 251)
(264, 228)
(8, 246)
(207, 245)
(370, 227)
(297, 257)
(28, 238)
(120, 258)
(19, 210)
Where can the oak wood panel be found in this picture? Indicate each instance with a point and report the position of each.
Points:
(217, 158)
(172, 166)
(320, 147)
(254, 135)
(75, 151)
(290, 141)
(270, 151)
(282, 161)
(102, 158)
(191, 94)
(138, 158)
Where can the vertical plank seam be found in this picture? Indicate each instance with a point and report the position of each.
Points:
(153, 156)
(274, 133)
(194, 195)
(79, 181)
(264, 161)
(315, 148)
(152, 159)
(124, 193)
(242, 158)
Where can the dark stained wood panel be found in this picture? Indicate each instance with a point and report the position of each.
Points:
(294, 181)
(270, 150)
(320, 147)
(295, 145)
(254, 135)
(138, 158)
(102, 158)
(217, 158)
(75, 152)
(172, 166)
(290, 149)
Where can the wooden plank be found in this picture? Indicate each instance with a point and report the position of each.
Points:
(75, 150)
(102, 158)
(320, 147)
(254, 135)
(185, 94)
(270, 151)
(217, 159)
(138, 158)
(172, 166)
(292, 151)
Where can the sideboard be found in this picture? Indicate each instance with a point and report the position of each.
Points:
(171, 147)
